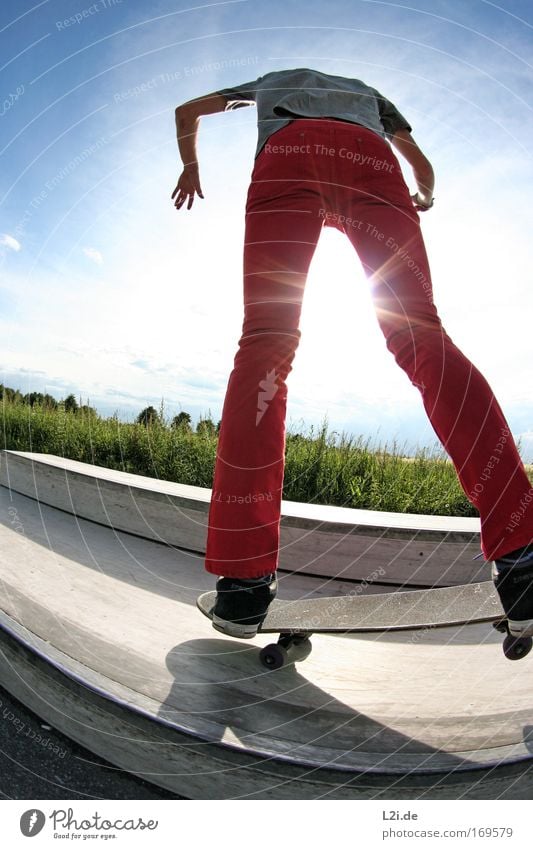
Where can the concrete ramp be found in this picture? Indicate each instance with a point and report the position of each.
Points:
(101, 638)
(325, 541)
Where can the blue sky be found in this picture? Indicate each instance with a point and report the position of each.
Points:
(108, 292)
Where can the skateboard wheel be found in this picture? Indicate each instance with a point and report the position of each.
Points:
(273, 656)
(515, 648)
(285, 651)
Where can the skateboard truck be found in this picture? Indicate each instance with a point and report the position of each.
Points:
(514, 648)
(290, 648)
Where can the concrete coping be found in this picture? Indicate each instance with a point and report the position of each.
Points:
(293, 510)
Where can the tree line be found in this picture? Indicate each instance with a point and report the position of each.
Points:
(148, 417)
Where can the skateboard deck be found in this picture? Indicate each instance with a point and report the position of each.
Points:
(296, 621)
(413, 609)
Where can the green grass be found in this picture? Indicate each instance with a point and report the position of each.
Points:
(321, 468)
(156, 451)
(350, 472)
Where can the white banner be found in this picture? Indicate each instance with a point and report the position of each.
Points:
(308, 824)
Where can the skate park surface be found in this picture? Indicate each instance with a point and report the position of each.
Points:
(101, 638)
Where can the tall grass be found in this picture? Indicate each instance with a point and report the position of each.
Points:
(320, 467)
(349, 471)
(156, 450)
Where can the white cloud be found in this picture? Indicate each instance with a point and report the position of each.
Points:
(94, 255)
(9, 242)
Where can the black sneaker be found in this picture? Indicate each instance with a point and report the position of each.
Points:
(242, 604)
(513, 579)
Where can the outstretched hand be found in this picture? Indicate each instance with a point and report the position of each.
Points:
(188, 185)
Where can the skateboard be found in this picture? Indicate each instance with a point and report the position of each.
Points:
(413, 610)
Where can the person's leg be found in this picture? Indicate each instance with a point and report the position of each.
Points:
(282, 230)
(458, 400)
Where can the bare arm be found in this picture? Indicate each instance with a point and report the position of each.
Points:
(187, 122)
(422, 168)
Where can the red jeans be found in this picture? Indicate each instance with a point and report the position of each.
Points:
(324, 172)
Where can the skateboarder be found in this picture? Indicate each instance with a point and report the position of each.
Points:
(323, 159)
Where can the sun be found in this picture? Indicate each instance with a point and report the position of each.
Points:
(340, 335)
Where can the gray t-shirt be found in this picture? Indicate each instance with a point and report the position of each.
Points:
(282, 96)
